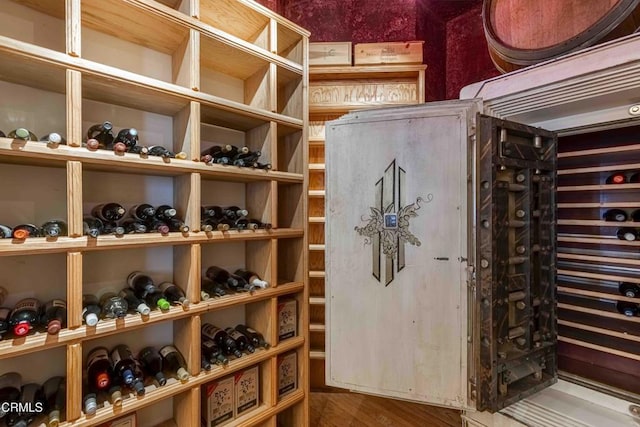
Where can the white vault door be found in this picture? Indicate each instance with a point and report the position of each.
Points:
(396, 252)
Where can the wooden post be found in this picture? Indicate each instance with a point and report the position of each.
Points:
(74, 198)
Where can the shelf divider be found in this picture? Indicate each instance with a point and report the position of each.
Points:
(74, 290)
(74, 381)
(74, 198)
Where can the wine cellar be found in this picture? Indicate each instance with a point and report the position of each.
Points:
(67, 65)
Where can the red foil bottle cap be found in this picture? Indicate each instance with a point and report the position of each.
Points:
(20, 234)
(102, 380)
(163, 229)
(22, 328)
(54, 327)
(119, 148)
(618, 179)
(93, 144)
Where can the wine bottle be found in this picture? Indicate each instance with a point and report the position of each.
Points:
(252, 278)
(5, 232)
(113, 306)
(212, 288)
(631, 290)
(90, 309)
(216, 150)
(235, 151)
(628, 234)
(22, 133)
(23, 231)
(205, 364)
(176, 224)
(128, 137)
(211, 224)
(5, 312)
(617, 215)
(247, 159)
(141, 284)
(92, 227)
(10, 385)
(234, 212)
(53, 139)
(242, 342)
(125, 368)
(165, 212)
(134, 226)
(157, 225)
(99, 369)
(133, 302)
(151, 362)
(160, 151)
(173, 361)
(204, 296)
(32, 402)
(265, 166)
(101, 133)
(627, 308)
(55, 394)
(221, 338)
(616, 178)
(255, 337)
(53, 315)
(143, 212)
(244, 224)
(109, 211)
(174, 294)
(24, 316)
(635, 215)
(635, 178)
(260, 224)
(54, 228)
(156, 299)
(241, 284)
(212, 353)
(219, 275)
(139, 149)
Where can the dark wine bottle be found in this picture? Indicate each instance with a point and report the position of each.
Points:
(265, 166)
(160, 151)
(99, 369)
(211, 224)
(139, 149)
(53, 139)
(635, 178)
(255, 337)
(235, 151)
(628, 234)
(204, 295)
(156, 225)
(5, 312)
(174, 294)
(248, 160)
(143, 212)
(176, 224)
(165, 212)
(53, 315)
(627, 308)
(220, 276)
(141, 284)
(113, 306)
(216, 151)
(5, 232)
(32, 402)
(23, 231)
(128, 137)
(252, 278)
(24, 316)
(90, 309)
(242, 342)
(221, 338)
(212, 288)
(631, 290)
(244, 224)
(635, 215)
(102, 133)
(156, 300)
(205, 364)
(617, 215)
(22, 133)
(151, 362)
(109, 211)
(616, 178)
(112, 227)
(134, 226)
(55, 394)
(133, 302)
(260, 224)
(125, 368)
(212, 353)
(234, 212)
(54, 228)
(173, 361)
(10, 385)
(92, 227)
(241, 284)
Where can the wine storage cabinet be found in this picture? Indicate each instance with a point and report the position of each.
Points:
(187, 75)
(334, 91)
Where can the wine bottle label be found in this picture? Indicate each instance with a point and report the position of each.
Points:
(251, 330)
(235, 334)
(208, 344)
(116, 357)
(210, 330)
(167, 350)
(167, 286)
(97, 355)
(27, 304)
(57, 303)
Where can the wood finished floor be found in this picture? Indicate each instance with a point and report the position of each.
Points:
(359, 410)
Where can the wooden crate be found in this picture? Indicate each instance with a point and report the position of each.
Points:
(388, 53)
(330, 53)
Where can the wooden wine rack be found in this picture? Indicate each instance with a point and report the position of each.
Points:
(187, 74)
(334, 91)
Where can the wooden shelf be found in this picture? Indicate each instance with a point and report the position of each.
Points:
(599, 151)
(588, 275)
(597, 330)
(600, 187)
(599, 348)
(581, 292)
(611, 168)
(594, 240)
(597, 223)
(594, 258)
(364, 72)
(599, 205)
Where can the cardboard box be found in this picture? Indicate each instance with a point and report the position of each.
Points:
(330, 53)
(287, 373)
(218, 402)
(247, 390)
(129, 420)
(388, 53)
(287, 318)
